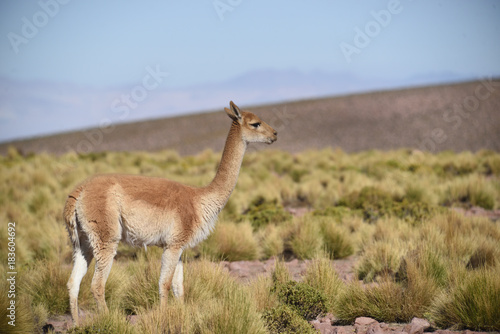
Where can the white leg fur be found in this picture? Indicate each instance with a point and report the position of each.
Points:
(177, 281)
(81, 263)
(169, 261)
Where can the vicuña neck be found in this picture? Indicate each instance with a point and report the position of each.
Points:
(224, 181)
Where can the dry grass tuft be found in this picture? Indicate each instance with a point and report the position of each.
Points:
(473, 303)
(231, 242)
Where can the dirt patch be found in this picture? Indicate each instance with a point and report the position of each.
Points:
(493, 215)
(245, 271)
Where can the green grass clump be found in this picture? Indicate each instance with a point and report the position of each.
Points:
(372, 202)
(307, 301)
(379, 260)
(177, 317)
(387, 301)
(469, 191)
(473, 303)
(262, 212)
(21, 316)
(322, 276)
(296, 303)
(306, 241)
(485, 256)
(143, 289)
(272, 243)
(336, 240)
(45, 283)
(336, 212)
(375, 203)
(427, 262)
(284, 320)
(280, 274)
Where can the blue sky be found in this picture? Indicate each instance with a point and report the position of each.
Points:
(104, 49)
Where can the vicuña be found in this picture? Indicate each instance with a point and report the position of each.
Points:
(145, 211)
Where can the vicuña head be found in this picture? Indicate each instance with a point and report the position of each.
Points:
(146, 211)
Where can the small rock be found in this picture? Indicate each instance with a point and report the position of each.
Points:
(375, 328)
(322, 327)
(339, 330)
(417, 326)
(364, 321)
(361, 325)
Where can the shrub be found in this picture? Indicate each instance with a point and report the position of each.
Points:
(372, 202)
(284, 320)
(414, 212)
(262, 212)
(375, 203)
(303, 298)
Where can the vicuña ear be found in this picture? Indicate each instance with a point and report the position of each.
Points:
(234, 112)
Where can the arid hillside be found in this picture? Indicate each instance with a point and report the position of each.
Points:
(456, 117)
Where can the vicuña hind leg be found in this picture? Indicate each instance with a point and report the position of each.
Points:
(82, 257)
(169, 262)
(102, 268)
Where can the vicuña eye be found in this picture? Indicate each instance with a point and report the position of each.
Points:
(255, 125)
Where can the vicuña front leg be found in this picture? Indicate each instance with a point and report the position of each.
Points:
(177, 281)
(169, 262)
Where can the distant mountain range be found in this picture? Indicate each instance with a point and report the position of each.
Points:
(40, 108)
